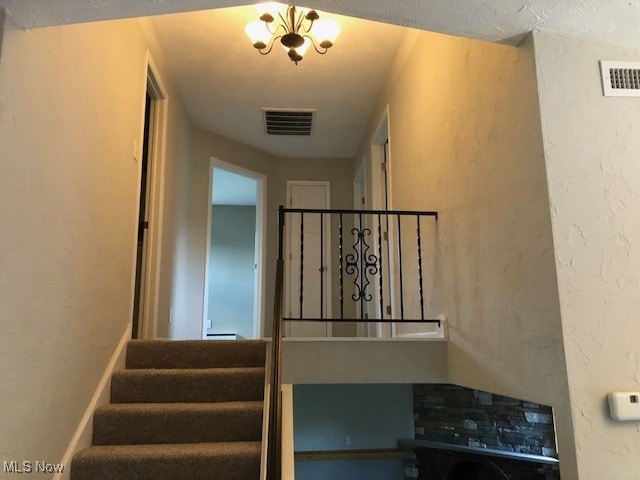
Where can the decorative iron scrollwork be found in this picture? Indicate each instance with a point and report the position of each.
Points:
(362, 265)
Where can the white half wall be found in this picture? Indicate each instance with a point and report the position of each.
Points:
(592, 145)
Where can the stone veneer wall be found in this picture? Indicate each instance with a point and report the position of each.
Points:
(462, 416)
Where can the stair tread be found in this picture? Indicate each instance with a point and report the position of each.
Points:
(210, 385)
(196, 461)
(222, 371)
(181, 450)
(195, 353)
(144, 424)
(180, 407)
(214, 344)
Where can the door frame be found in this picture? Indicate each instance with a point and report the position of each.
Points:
(155, 86)
(381, 136)
(260, 246)
(327, 242)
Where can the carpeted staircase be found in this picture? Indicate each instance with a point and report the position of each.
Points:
(181, 410)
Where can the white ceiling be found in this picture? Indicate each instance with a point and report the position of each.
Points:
(231, 188)
(493, 20)
(225, 82)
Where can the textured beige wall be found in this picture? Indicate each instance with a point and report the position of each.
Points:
(71, 106)
(591, 148)
(466, 141)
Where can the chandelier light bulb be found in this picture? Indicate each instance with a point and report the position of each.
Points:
(258, 33)
(268, 10)
(302, 49)
(326, 32)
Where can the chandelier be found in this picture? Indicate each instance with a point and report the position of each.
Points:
(297, 29)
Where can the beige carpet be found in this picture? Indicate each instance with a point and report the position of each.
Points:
(181, 410)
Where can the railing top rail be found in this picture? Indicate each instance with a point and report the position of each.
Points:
(364, 212)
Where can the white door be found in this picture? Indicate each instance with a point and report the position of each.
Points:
(311, 254)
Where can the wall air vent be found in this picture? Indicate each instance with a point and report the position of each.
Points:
(620, 79)
(279, 121)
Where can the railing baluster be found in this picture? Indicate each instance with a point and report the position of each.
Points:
(362, 267)
(381, 300)
(420, 269)
(321, 265)
(341, 267)
(400, 266)
(301, 260)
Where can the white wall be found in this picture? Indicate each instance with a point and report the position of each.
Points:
(372, 416)
(591, 149)
(466, 141)
(364, 360)
(231, 269)
(71, 106)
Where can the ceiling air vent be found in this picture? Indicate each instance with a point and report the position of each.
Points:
(620, 79)
(278, 121)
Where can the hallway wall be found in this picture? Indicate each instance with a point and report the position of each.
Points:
(351, 417)
(466, 141)
(188, 301)
(591, 149)
(71, 106)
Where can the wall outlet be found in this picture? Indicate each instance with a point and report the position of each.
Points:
(209, 323)
(347, 441)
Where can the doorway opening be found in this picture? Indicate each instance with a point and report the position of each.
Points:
(148, 235)
(143, 223)
(233, 303)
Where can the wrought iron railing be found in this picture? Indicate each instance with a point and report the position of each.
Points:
(371, 272)
(370, 269)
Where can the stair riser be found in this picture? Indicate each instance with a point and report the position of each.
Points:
(186, 467)
(195, 354)
(135, 428)
(157, 387)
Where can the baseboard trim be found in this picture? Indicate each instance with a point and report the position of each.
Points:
(82, 436)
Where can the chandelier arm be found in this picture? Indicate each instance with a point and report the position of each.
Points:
(321, 52)
(307, 30)
(300, 20)
(273, 42)
(271, 31)
(284, 30)
(285, 23)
